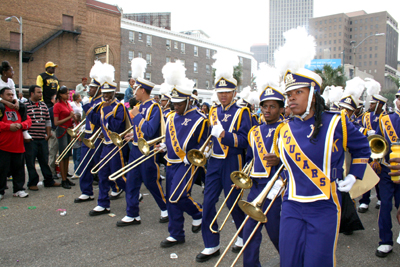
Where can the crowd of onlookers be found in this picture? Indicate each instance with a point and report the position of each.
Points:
(34, 130)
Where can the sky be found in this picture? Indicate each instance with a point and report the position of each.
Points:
(240, 24)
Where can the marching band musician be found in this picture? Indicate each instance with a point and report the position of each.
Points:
(112, 116)
(230, 126)
(260, 144)
(312, 147)
(165, 102)
(189, 128)
(370, 121)
(146, 122)
(247, 99)
(96, 97)
(389, 128)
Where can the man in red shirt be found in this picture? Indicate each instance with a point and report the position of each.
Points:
(12, 146)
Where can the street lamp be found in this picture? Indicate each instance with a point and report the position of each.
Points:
(20, 49)
(355, 47)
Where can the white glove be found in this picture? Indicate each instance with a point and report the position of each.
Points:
(276, 188)
(85, 100)
(346, 184)
(185, 160)
(217, 129)
(207, 152)
(163, 147)
(370, 132)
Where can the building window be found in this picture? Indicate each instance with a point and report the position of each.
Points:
(182, 48)
(181, 60)
(140, 36)
(131, 55)
(167, 59)
(207, 84)
(139, 54)
(148, 59)
(241, 61)
(176, 45)
(131, 37)
(148, 40)
(208, 69)
(207, 53)
(195, 67)
(195, 83)
(67, 23)
(130, 74)
(376, 63)
(196, 51)
(168, 45)
(148, 76)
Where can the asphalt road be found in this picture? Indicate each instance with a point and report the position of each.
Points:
(41, 237)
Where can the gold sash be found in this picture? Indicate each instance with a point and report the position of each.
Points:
(261, 149)
(387, 123)
(368, 121)
(213, 120)
(174, 141)
(315, 174)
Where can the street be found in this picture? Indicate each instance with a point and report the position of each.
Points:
(41, 237)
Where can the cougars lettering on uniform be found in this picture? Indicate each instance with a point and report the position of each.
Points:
(389, 129)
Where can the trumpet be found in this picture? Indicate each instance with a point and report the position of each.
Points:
(254, 208)
(241, 179)
(144, 147)
(196, 158)
(76, 135)
(379, 146)
(252, 233)
(75, 131)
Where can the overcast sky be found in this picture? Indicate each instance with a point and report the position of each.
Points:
(241, 25)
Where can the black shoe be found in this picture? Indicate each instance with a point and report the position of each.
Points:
(96, 213)
(55, 177)
(80, 200)
(65, 184)
(203, 257)
(382, 254)
(122, 223)
(140, 197)
(236, 249)
(164, 219)
(362, 210)
(167, 244)
(196, 229)
(117, 195)
(70, 183)
(378, 205)
(348, 233)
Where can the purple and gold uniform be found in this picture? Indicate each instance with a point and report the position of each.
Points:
(146, 125)
(184, 132)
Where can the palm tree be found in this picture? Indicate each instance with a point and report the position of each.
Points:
(331, 76)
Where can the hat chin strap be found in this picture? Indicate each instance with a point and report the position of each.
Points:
(166, 105)
(310, 96)
(187, 105)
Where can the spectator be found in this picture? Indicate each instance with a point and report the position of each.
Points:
(7, 73)
(76, 149)
(21, 98)
(49, 83)
(12, 145)
(38, 147)
(194, 92)
(53, 142)
(82, 88)
(205, 108)
(63, 115)
(129, 92)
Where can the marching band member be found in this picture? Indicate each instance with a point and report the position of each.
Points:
(370, 121)
(189, 128)
(96, 97)
(165, 102)
(312, 146)
(230, 125)
(389, 128)
(113, 117)
(260, 144)
(146, 122)
(247, 99)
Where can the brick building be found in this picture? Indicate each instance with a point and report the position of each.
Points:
(375, 37)
(159, 46)
(66, 32)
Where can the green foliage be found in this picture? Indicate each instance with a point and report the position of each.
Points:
(331, 76)
(396, 81)
(237, 73)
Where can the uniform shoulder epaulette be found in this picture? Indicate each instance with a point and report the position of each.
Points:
(201, 114)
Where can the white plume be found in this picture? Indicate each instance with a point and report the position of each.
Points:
(335, 94)
(325, 95)
(298, 51)
(174, 74)
(373, 88)
(188, 84)
(214, 98)
(165, 89)
(267, 76)
(254, 98)
(95, 72)
(224, 63)
(107, 73)
(354, 87)
(245, 93)
(138, 67)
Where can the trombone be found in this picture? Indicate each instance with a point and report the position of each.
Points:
(198, 159)
(90, 143)
(144, 147)
(379, 146)
(75, 133)
(241, 179)
(118, 139)
(254, 230)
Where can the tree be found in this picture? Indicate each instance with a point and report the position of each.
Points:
(331, 76)
(237, 74)
(395, 80)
